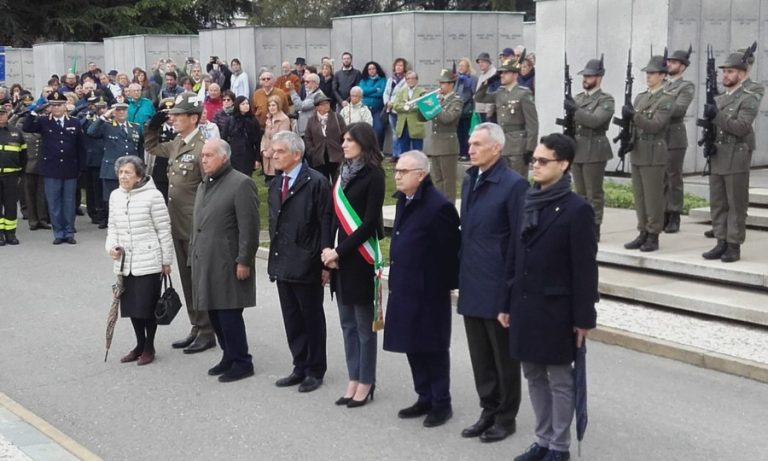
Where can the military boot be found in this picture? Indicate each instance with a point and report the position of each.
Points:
(651, 243)
(2, 239)
(673, 223)
(10, 237)
(732, 253)
(637, 242)
(710, 234)
(666, 219)
(716, 252)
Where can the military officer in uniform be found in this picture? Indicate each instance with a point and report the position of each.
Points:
(650, 116)
(158, 166)
(443, 149)
(677, 138)
(13, 157)
(733, 115)
(515, 113)
(183, 154)
(33, 190)
(592, 112)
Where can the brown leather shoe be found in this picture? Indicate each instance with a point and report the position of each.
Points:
(130, 357)
(146, 358)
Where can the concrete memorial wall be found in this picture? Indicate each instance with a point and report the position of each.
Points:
(529, 35)
(429, 40)
(62, 57)
(126, 52)
(20, 68)
(258, 47)
(586, 28)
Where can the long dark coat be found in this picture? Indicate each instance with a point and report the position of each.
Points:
(244, 137)
(554, 288)
(299, 227)
(490, 217)
(365, 193)
(423, 269)
(225, 233)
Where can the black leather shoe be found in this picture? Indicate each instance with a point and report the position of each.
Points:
(438, 417)
(236, 373)
(732, 253)
(103, 225)
(710, 234)
(220, 369)
(200, 344)
(495, 433)
(651, 243)
(58, 241)
(182, 343)
(673, 226)
(10, 237)
(2, 239)
(415, 410)
(309, 384)
(79, 211)
(71, 241)
(290, 380)
(534, 453)
(637, 242)
(478, 428)
(44, 225)
(716, 252)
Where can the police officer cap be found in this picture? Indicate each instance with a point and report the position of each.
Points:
(656, 64)
(682, 55)
(120, 106)
(26, 96)
(446, 76)
(56, 97)
(735, 61)
(320, 98)
(187, 102)
(593, 67)
(94, 95)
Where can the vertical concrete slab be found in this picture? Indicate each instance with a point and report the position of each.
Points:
(206, 41)
(28, 71)
(177, 47)
(246, 53)
(318, 44)
(293, 42)
(429, 55)
(403, 39)
(529, 34)
(484, 35)
(745, 22)
(382, 32)
(457, 37)
(760, 74)
(268, 49)
(13, 66)
(582, 16)
(509, 30)
(341, 38)
(716, 26)
(550, 23)
(362, 40)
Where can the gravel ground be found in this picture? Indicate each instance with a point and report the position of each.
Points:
(729, 338)
(9, 451)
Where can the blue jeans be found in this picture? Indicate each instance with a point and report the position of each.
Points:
(359, 342)
(60, 194)
(379, 127)
(395, 141)
(406, 142)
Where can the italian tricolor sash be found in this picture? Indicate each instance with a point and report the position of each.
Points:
(370, 249)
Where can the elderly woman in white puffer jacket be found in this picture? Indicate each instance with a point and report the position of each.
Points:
(140, 229)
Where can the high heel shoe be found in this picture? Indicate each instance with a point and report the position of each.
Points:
(359, 403)
(343, 401)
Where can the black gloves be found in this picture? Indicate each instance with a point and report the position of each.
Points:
(528, 157)
(157, 120)
(627, 112)
(710, 111)
(570, 105)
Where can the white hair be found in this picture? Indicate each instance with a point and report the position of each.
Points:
(291, 139)
(422, 161)
(356, 89)
(222, 147)
(494, 132)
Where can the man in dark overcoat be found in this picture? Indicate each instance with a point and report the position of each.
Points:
(225, 237)
(492, 199)
(300, 218)
(553, 294)
(423, 269)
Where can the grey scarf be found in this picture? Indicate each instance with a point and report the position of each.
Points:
(537, 199)
(350, 169)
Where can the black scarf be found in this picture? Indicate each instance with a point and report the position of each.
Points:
(537, 199)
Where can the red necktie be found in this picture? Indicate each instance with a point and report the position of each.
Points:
(285, 191)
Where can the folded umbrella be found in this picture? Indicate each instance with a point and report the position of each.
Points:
(117, 292)
(580, 382)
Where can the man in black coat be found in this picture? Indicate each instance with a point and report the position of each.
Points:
(425, 248)
(492, 199)
(299, 227)
(553, 295)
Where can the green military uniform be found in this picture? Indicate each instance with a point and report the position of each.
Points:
(729, 178)
(517, 116)
(184, 175)
(443, 151)
(653, 110)
(758, 90)
(592, 116)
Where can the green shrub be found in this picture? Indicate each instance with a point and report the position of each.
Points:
(620, 196)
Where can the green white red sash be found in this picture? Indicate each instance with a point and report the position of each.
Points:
(370, 250)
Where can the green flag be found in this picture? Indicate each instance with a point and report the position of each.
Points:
(474, 121)
(429, 106)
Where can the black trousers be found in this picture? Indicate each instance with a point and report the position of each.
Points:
(34, 191)
(304, 320)
(94, 196)
(431, 373)
(229, 327)
(497, 375)
(9, 196)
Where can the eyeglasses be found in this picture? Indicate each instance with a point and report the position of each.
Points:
(543, 161)
(405, 171)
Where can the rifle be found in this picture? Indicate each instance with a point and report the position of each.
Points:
(708, 127)
(567, 122)
(625, 135)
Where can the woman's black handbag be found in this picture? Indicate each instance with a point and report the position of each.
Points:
(169, 303)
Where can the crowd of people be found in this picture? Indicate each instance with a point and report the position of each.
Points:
(166, 163)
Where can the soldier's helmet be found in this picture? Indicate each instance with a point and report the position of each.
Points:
(593, 67)
(735, 61)
(446, 76)
(656, 64)
(683, 56)
(512, 64)
(187, 102)
(56, 97)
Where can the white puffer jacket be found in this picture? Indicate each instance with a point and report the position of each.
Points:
(139, 223)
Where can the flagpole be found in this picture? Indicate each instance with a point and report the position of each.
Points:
(426, 95)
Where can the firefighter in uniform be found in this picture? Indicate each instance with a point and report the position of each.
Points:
(592, 111)
(650, 116)
(13, 158)
(733, 114)
(443, 148)
(184, 175)
(33, 190)
(677, 138)
(515, 113)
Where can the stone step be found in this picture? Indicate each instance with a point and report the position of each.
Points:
(756, 217)
(758, 196)
(698, 296)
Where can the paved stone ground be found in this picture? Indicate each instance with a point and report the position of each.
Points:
(54, 306)
(10, 452)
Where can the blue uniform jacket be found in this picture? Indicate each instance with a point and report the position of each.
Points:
(490, 217)
(116, 143)
(94, 147)
(62, 155)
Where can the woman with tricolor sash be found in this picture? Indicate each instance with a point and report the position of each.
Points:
(356, 260)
